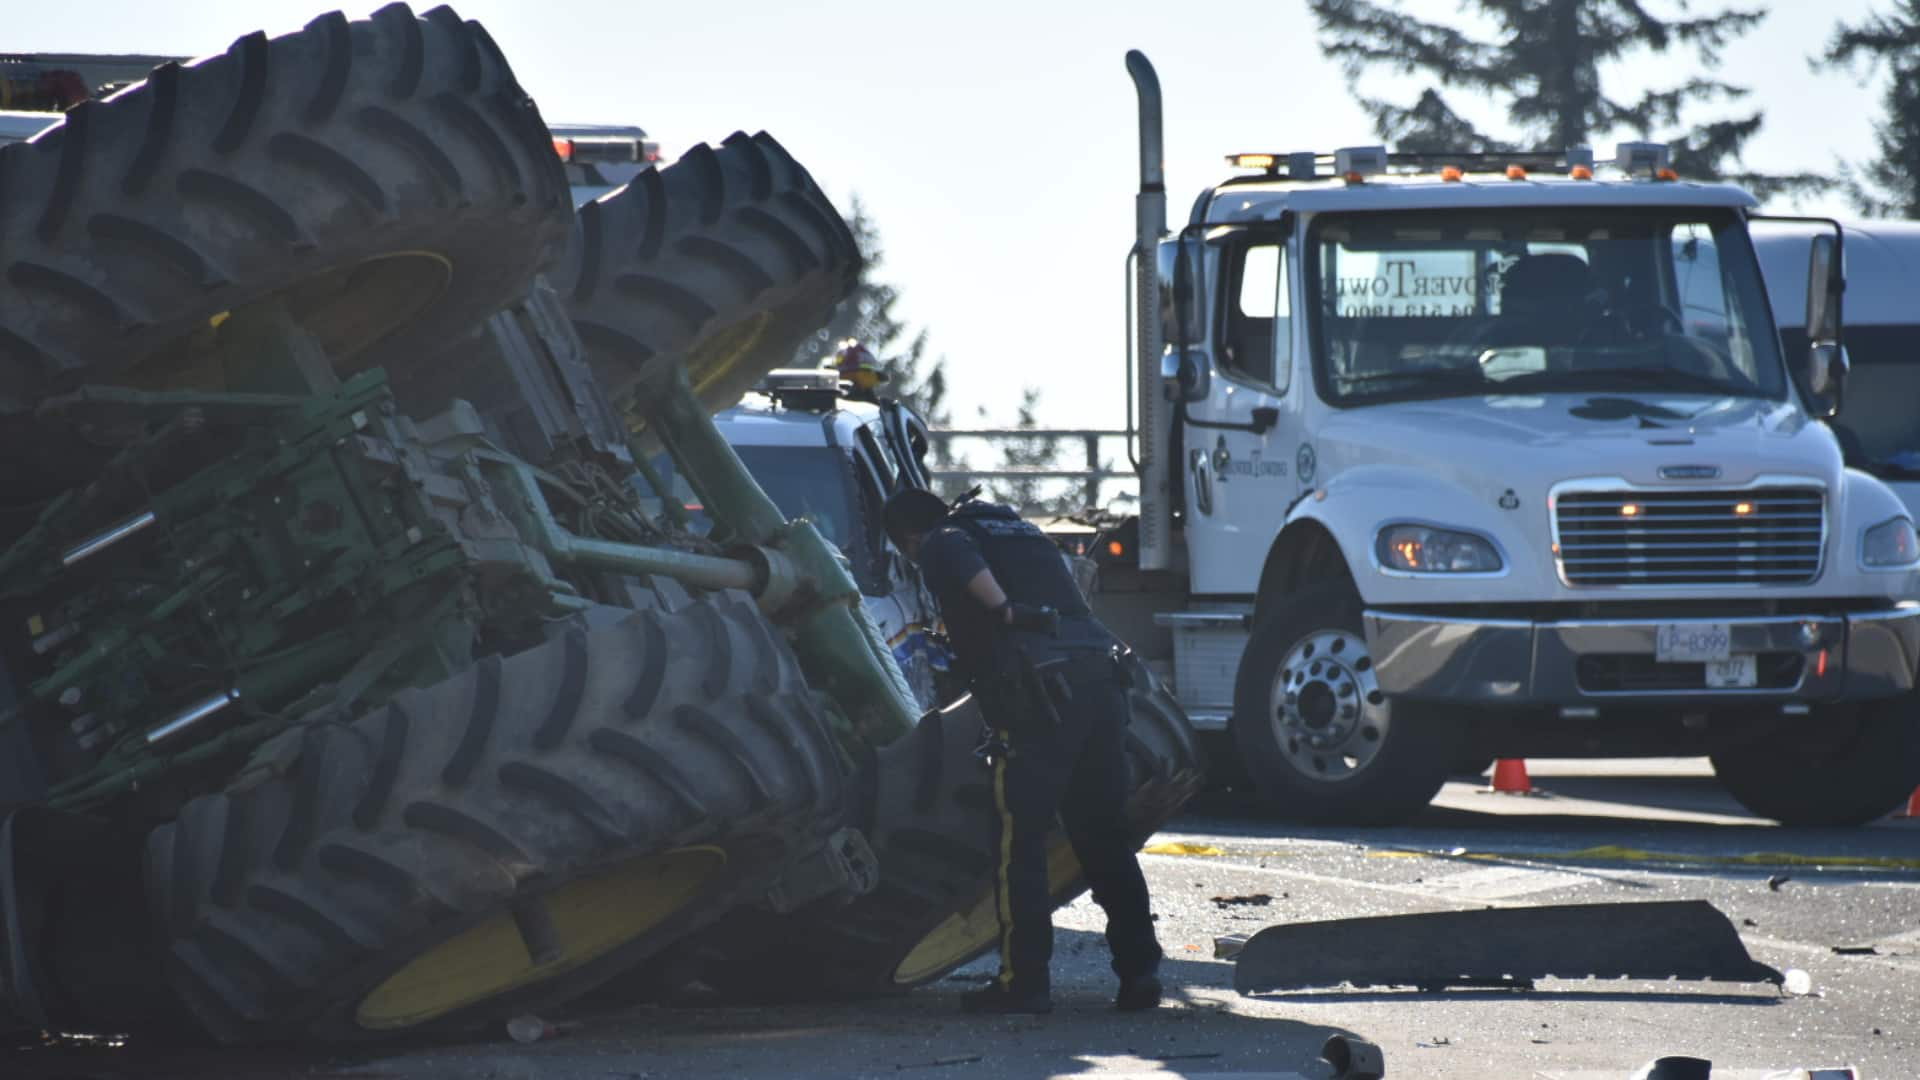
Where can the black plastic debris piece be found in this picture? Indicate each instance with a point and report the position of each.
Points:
(1502, 947)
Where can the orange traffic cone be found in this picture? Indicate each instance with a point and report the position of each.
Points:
(1510, 776)
(1913, 805)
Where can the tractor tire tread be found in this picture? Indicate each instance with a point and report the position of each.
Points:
(936, 859)
(286, 900)
(734, 239)
(135, 219)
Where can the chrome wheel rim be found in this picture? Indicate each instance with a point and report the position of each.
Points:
(1328, 714)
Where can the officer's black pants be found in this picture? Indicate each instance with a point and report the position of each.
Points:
(1077, 770)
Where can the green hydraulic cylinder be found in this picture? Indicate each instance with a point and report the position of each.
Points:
(839, 648)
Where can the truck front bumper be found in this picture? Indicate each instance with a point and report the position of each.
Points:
(1589, 662)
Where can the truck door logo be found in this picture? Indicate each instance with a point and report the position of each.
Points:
(1254, 467)
(1305, 462)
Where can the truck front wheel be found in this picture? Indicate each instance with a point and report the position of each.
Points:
(1829, 768)
(1322, 741)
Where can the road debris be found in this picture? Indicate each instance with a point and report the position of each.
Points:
(1353, 1059)
(1855, 950)
(1250, 900)
(941, 1063)
(528, 1028)
(1778, 880)
(1177, 848)
(1687, 939)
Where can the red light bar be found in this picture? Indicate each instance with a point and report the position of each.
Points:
(608, 148)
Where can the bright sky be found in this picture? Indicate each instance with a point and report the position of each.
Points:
(993, 143)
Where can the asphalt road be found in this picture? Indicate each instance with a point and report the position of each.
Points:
(1603, 832)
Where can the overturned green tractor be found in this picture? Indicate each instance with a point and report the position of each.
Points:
(349, 687)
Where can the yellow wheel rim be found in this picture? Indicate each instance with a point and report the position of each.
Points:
(352, 308)
(974, 928)
(588, 918)
(716, 359)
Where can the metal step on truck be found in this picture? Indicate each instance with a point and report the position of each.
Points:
(1444, 457)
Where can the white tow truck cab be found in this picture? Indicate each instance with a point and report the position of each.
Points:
(1880, 430)
(1449, 457)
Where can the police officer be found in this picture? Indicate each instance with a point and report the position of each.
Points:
(1051, 681)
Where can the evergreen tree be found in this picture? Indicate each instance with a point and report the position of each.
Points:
(1026, 494)
(1543, 62)
(867, 314)
(1889, 185)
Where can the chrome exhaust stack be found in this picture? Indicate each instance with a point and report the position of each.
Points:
(1156, 412)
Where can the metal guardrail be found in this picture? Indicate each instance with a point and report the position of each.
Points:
(1091, 477)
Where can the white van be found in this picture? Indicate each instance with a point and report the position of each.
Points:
(1879, 431)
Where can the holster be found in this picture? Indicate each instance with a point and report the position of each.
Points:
(1020, 698)
(1024, 695)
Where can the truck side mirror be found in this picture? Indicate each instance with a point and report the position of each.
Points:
(1827, 368)
(1826, 281)
(1179, 290)
(1187, 374)
(1827, 364)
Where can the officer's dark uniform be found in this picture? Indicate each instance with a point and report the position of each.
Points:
(1065, 753)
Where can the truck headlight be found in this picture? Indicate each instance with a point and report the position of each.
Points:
(1423, 549)
(1890, 544)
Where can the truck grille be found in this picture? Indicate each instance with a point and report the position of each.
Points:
(1759, 536)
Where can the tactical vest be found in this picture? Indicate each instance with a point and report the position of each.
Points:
(1028, 566)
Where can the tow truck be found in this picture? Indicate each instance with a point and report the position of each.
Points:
(1444, 456)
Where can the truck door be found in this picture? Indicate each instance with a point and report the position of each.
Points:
(1243, 455)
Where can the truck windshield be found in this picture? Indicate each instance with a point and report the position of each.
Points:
(1472, 302)
(815, 483)
(811, 482)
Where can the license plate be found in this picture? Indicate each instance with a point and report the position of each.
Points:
(1692, 643)
(1732, 673)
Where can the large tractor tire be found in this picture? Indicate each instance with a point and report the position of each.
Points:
(1844, 765)
(388, 179)
(501, 840)
(931, 828)
(722, 262)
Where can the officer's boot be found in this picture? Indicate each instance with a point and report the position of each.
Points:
(1138, 993)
